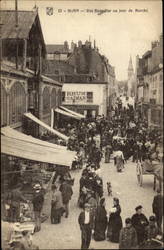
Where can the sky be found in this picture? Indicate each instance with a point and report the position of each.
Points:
(118, 35)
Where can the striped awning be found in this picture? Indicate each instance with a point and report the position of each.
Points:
(54, 131)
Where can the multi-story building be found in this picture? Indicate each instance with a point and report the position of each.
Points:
(150, 84)
(23, 86)
(85, 71)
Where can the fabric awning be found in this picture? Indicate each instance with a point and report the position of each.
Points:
(73, 112)
(35, 119)
(35, 152)
(10, 132)
(60, 111)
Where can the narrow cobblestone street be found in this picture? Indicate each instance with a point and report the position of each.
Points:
(124, 185)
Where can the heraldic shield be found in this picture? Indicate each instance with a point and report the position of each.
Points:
(49, 11)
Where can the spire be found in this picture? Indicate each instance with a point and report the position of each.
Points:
(130, 67)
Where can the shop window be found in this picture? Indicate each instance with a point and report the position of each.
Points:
(46, 101)
(3, 106)
(17, 103)
(89, 96)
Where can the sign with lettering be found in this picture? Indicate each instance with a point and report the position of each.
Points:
(75, 97)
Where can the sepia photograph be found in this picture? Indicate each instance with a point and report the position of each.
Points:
(81, 124)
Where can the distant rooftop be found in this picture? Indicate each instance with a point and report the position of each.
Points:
(53, 48)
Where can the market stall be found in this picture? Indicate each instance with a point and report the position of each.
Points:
(29, 162)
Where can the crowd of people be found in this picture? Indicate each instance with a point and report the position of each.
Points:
(123, 137)
(139, 231)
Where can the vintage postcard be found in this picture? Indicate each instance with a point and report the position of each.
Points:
(81, 124)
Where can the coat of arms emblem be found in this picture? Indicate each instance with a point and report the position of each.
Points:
(49, 11)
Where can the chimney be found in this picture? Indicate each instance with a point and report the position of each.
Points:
(154, 44)
(72, 46)
(66, 47)
(87, 44)
(80, 44)
(94, 44)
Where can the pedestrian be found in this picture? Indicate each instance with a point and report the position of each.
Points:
(151, 230)
(119, 159)
(140, 222)
(90, 199)
(14, 199)
(67, 192)
(56, 205)
(100, 221)
(38, 200)
(115, 222)
(128, 236)
(86, 226)
(157, 207)
(108, 151)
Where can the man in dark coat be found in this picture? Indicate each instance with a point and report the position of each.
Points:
(86, 226)
(140, 222)
(66, 191)
(38, 200)
(157, 207)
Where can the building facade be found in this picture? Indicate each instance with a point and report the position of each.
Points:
(88, 99)
(85, 66)
(150, 84)
(23, 86)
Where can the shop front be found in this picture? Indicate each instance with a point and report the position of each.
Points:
(89, 99)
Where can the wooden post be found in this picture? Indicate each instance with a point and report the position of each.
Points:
(16, 28)
(24, 55)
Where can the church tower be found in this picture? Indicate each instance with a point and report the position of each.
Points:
(130, 91)
(130, 69)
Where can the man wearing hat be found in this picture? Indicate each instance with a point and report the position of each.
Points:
(157, 208)
(38, 200)
(86, 225)
(140, 222)
(67, 192)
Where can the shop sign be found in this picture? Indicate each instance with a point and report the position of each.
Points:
(75, 97)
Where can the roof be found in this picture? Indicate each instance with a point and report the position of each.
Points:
(147, 54)
(9, 67)
(52, 48)
(25, 22)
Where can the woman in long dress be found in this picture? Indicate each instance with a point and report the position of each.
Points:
(115, 222)
(119, 159)
(100, 222)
